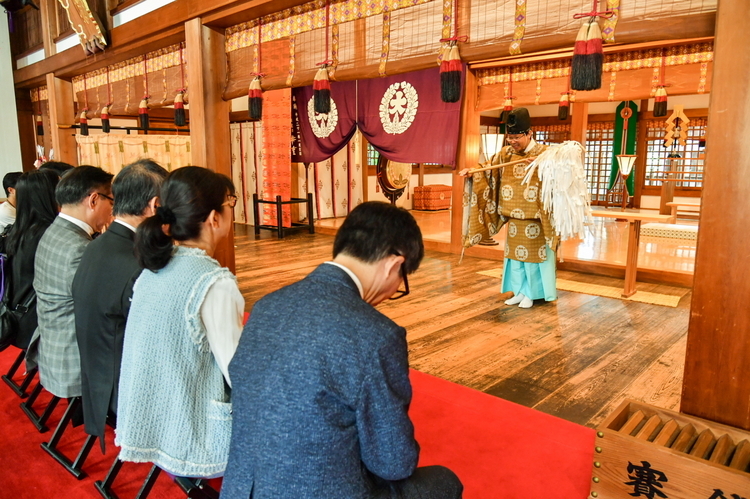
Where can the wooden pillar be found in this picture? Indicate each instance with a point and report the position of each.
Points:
(715, 384)
(579, 122)
(209, 113)
(62, 112)
(467, 156)
(26, 128)
(49, 26)
(641, 150)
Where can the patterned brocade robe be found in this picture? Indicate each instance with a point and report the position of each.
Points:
(498, 197)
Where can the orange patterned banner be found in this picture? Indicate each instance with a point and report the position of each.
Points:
(277, 160)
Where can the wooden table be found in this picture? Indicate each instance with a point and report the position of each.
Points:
(634, 233)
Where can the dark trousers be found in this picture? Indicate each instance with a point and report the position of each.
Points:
(428, 482)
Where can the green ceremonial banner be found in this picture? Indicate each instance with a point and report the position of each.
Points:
(629, 143)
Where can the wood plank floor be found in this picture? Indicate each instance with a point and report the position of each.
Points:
(575, 358)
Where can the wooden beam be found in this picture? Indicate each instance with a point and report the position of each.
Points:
(209, 120)
(62, 112)
(467, 157)
(579, 122)
(715, 384)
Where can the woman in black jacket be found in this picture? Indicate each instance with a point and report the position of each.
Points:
(36, 209)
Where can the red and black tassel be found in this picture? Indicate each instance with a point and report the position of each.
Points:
(84, 123)
(660, 102)
(104, 115)
(39, 125)
(143, 113)
(563, 109)
(179, 109)
(255, 100)
(588, 57)
(322, 91)
(507, 108)
(450, 76)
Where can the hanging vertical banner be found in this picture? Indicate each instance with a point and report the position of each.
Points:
(626, 120)
(277, 161)
(520, 30)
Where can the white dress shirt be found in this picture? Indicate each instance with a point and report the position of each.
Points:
(352, 275)
(80, 223)
(222, 312)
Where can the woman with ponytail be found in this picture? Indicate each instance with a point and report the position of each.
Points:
(183, 327)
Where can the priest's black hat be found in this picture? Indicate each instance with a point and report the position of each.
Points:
(519, 121)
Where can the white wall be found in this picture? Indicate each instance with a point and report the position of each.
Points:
(10, 141)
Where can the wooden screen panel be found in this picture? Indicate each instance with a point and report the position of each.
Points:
(598, 164)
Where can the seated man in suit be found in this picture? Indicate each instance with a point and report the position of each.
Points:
(320, 379)
(85, 198)
(103, 286)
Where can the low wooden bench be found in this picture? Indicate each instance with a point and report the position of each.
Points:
(678, 206)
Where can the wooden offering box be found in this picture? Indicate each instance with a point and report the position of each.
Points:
(432, 197)
(644, 451)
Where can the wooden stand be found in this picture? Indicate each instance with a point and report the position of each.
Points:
(279, 228)
(634, 234)
(650, 452)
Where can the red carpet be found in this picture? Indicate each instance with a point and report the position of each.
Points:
(500, 449)
(497, 448)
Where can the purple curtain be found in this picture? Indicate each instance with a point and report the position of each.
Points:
(317, 137)
(402, 116)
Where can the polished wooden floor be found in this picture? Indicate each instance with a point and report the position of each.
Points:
(575, 358)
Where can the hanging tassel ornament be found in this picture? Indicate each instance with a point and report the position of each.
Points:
(660, 98)
(255, 99)
(563, 109)
(595, 54)
(179, 101)
(507, 108)
(660, 102)
(588, 56)
(577, 79)
(322, 90)
(179, 109)
(104, 115)
(451, 67)
(450, 75)
(84, 123)
(143, 113)
(39, 125)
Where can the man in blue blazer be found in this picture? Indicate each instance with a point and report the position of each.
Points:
(321, 378)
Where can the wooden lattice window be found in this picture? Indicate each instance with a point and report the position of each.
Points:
(599, 139)
(690, 164)
(373, 156)
(551, 134)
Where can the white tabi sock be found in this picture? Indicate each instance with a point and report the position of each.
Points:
(515, 300)
(526, 302)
